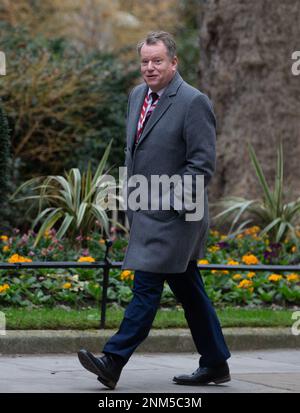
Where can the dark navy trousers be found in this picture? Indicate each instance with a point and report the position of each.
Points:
(201, 317)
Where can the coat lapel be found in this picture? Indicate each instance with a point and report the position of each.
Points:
(162, 106)
(136, 111)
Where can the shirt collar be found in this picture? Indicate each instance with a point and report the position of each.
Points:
(160, 92)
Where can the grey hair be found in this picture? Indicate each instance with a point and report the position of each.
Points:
(160, 36)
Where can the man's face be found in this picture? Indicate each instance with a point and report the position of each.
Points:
(157, 67)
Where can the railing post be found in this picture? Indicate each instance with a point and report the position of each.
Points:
(106, 268)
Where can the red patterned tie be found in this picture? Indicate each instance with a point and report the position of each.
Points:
(149, 105)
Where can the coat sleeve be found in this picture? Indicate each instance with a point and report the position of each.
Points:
(199, 135)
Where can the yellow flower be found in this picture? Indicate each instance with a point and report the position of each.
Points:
(232, 262)
(214, 233)
(220, 271)
(274, 277)
(237, 277)
(4, 238)
(245, 284)
(223, 237)
(67, 285)
(203, 262)
(5, 248)
(126, 274)
(250, 259)
(250, 275)
(292, 277)
(47, 234)
(214, 248)
(252, 230)
(102, 241)
(239, 236)
(4, 287)
(86, 259)
(18, 258)
(294, 248)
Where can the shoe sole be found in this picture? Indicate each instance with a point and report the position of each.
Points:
(221, 380)
(89, 365)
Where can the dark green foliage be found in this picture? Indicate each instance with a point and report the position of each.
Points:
(4, 164)
(187, 39)
(108, 117)
(64, 106)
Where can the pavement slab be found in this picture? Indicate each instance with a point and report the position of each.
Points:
(263, 371)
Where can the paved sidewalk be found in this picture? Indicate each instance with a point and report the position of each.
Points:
(267, 371)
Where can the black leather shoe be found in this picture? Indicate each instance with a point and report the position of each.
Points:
(107, 368)
(205, 375)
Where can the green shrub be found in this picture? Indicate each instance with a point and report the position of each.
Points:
(75, 201)
(4, 165)
(277, 218)
(63, 106)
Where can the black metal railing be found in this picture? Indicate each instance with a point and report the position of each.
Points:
(107, 264)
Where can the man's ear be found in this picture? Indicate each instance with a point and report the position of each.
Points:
(175, 63)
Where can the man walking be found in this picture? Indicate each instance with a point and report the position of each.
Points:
(170, 131)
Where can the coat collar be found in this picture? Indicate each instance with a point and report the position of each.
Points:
(162, 106)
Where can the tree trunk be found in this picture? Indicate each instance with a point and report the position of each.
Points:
(245, 68)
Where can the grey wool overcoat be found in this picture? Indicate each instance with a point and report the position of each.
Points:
(179, 138)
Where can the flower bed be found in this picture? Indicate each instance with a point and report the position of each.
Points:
(83, 286)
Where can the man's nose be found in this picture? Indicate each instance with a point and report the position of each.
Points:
(150, 65)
